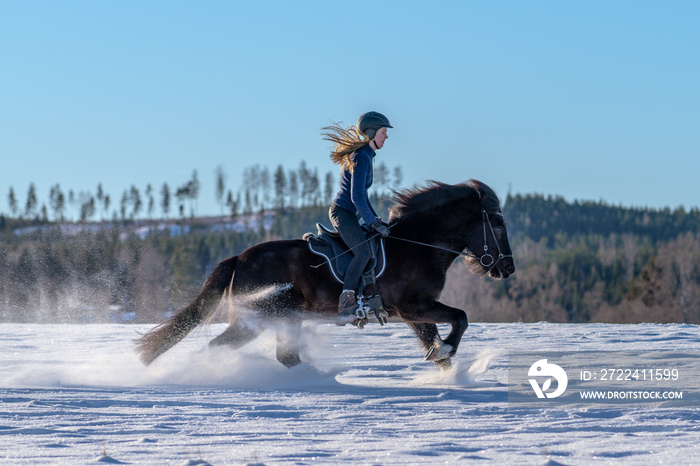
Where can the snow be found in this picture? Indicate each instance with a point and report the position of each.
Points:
(77, 394)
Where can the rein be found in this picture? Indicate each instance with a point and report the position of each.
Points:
(435, 247)
(486, 259)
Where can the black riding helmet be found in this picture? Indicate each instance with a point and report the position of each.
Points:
(371, 122)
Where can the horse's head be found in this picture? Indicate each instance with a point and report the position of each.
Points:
(455, 216)
(487, 239)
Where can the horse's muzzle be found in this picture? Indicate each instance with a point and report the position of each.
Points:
(502, 271)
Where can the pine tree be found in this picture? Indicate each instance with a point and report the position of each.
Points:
(87, 210)
(266, 187)
(151, 200)
(135, 200)
(30, 207)
(381, 178)
(248, 207)
(280, 187)
(293, 188)
(57, 201)
(194, 191)
(305, 181)
(100, 197)
(398, 177)
(314, 188)
(329, 189)
(232, 204)
(123, 204)
(71, 200)
(220, 186)
(189, 190)
(165, 199)
(12, 201)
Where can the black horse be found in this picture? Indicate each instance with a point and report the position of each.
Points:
(432, 226)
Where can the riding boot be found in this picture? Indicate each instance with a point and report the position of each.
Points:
(347, 305)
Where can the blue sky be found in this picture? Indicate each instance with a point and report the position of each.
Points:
(592, 100)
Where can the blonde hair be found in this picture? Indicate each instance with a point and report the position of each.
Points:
(345, 142)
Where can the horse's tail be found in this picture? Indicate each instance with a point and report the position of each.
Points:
(163, 337)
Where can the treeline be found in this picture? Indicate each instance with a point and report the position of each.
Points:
(260, 189)
(576, 261)
(537, 217)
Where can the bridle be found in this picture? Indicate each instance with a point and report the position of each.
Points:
(490, 263)
(486, 259)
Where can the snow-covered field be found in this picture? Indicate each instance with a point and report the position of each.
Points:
(77, 394)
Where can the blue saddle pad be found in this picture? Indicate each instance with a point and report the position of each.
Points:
(329, 245)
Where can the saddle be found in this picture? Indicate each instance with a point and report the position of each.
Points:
(329, 245)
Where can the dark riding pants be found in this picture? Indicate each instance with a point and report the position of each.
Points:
(346, 223)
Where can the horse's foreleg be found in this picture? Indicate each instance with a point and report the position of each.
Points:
(423, 319)
(428, 334)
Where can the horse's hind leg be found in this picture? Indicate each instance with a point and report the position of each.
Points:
(288, 336)
(236, 335)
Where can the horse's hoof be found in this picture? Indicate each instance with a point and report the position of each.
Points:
(342, 320)
(444, 364)
(439, 351)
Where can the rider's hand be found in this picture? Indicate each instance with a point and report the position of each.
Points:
(379, 219)
(381, 228)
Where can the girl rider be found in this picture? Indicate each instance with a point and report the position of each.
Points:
(354, 150)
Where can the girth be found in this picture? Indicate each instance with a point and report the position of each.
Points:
(329, 245)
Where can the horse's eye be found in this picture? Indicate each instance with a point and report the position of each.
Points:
(498, 231)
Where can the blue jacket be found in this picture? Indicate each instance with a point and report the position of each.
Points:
(354, 187)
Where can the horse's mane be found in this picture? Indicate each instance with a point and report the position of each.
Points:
(435, 194)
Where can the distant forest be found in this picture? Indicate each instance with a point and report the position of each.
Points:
(81, 258)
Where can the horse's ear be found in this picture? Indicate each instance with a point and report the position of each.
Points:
(479, 195)
(476, 186)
